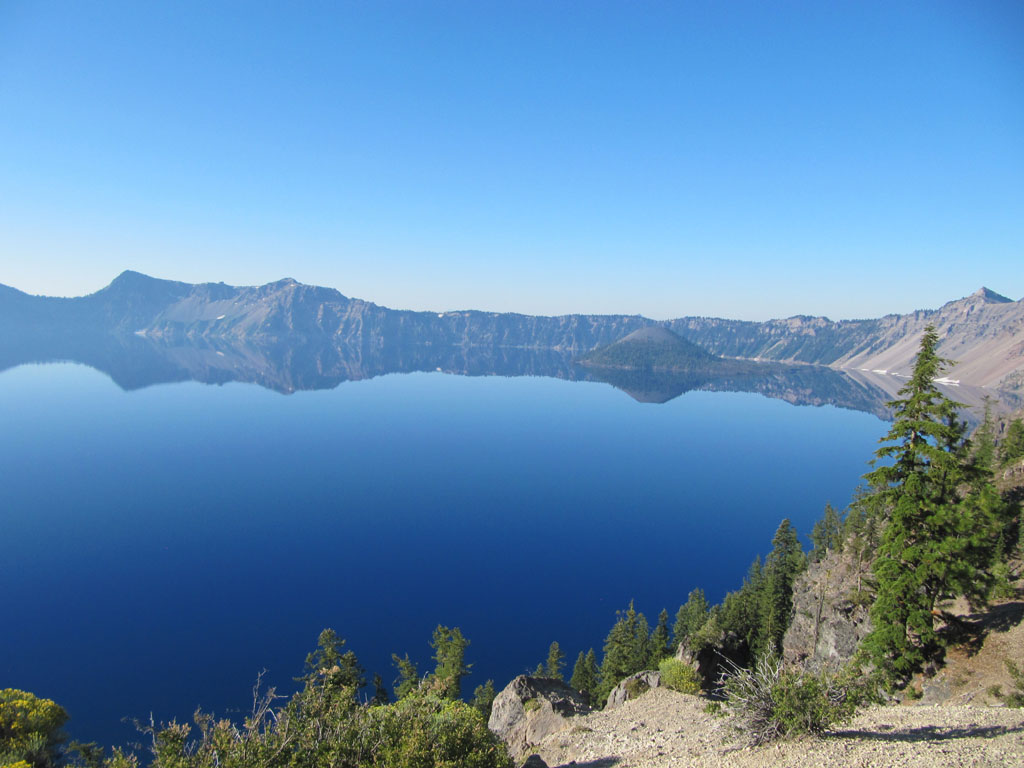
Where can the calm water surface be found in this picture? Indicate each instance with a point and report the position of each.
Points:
(161, 547)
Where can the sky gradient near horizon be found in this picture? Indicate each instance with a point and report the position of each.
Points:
(740, 159)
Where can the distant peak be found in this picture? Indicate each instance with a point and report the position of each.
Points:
(131, 283)
(130, 275)
(132, 279)
(989, 296)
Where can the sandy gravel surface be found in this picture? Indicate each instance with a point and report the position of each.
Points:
(663, 728)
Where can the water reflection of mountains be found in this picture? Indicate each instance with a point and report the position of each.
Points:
(134, 362)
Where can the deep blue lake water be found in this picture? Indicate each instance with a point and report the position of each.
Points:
(162, 546)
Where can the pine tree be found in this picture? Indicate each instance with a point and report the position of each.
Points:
(641, 648)
(579, 680)
(937, 541)
(584, 675)
(408, 678)
(483, 698)
(1012, 447)
(827, 534)
(380, 693)
(690, 617)
(984, 440)
(740, 611)
(625, 649)
(555, 662)
(449, 652)
(658, 647)
(331, 667)
(775, 603)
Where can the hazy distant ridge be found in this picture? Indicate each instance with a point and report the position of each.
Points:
(984, 331)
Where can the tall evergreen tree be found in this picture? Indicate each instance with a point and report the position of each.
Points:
(555, 662)
(658, 647)
(380, 693)
(483, 698)
(408, 678)
(625, 649)
(690, 617)
(781, 567)
(937, 541)
(984, 440)
(827, 534)
(332, 667)
(450, 654)
(579, 680)
(1012, 447)
(585, 675)
(740, 611)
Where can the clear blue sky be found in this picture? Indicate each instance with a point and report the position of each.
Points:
(740, 159)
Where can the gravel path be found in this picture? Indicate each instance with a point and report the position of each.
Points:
(663, 728)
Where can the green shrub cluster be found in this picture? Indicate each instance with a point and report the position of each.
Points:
(768, 701)
(30, 729)
(328, 728)
(679, 676)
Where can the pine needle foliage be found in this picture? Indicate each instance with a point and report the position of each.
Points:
(942, 526)
(556, 661)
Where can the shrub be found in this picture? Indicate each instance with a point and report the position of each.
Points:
(30, 729)
(636, 687)
(432, 732)
(1016, 697)
(679, 676)
(320, 728)
(768, 701)
(531, 705)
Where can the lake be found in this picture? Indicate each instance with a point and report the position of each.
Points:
(163, 545)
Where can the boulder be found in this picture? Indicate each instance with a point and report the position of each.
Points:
(830, 613)
(530, 708)
(534, 761)
(633, 686)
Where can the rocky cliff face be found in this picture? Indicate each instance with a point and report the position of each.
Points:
(983, 332)
(830, 612)
(531, 708)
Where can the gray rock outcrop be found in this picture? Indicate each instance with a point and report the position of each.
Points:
(633, 686)
(830, 613)
(713, 658)
(530, 708)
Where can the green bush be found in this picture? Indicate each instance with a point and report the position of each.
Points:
(432, 732)
(30, 729)
(768, 701)
(328, 728)
(679, 676)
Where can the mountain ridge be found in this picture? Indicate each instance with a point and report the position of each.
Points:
(983, 332)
